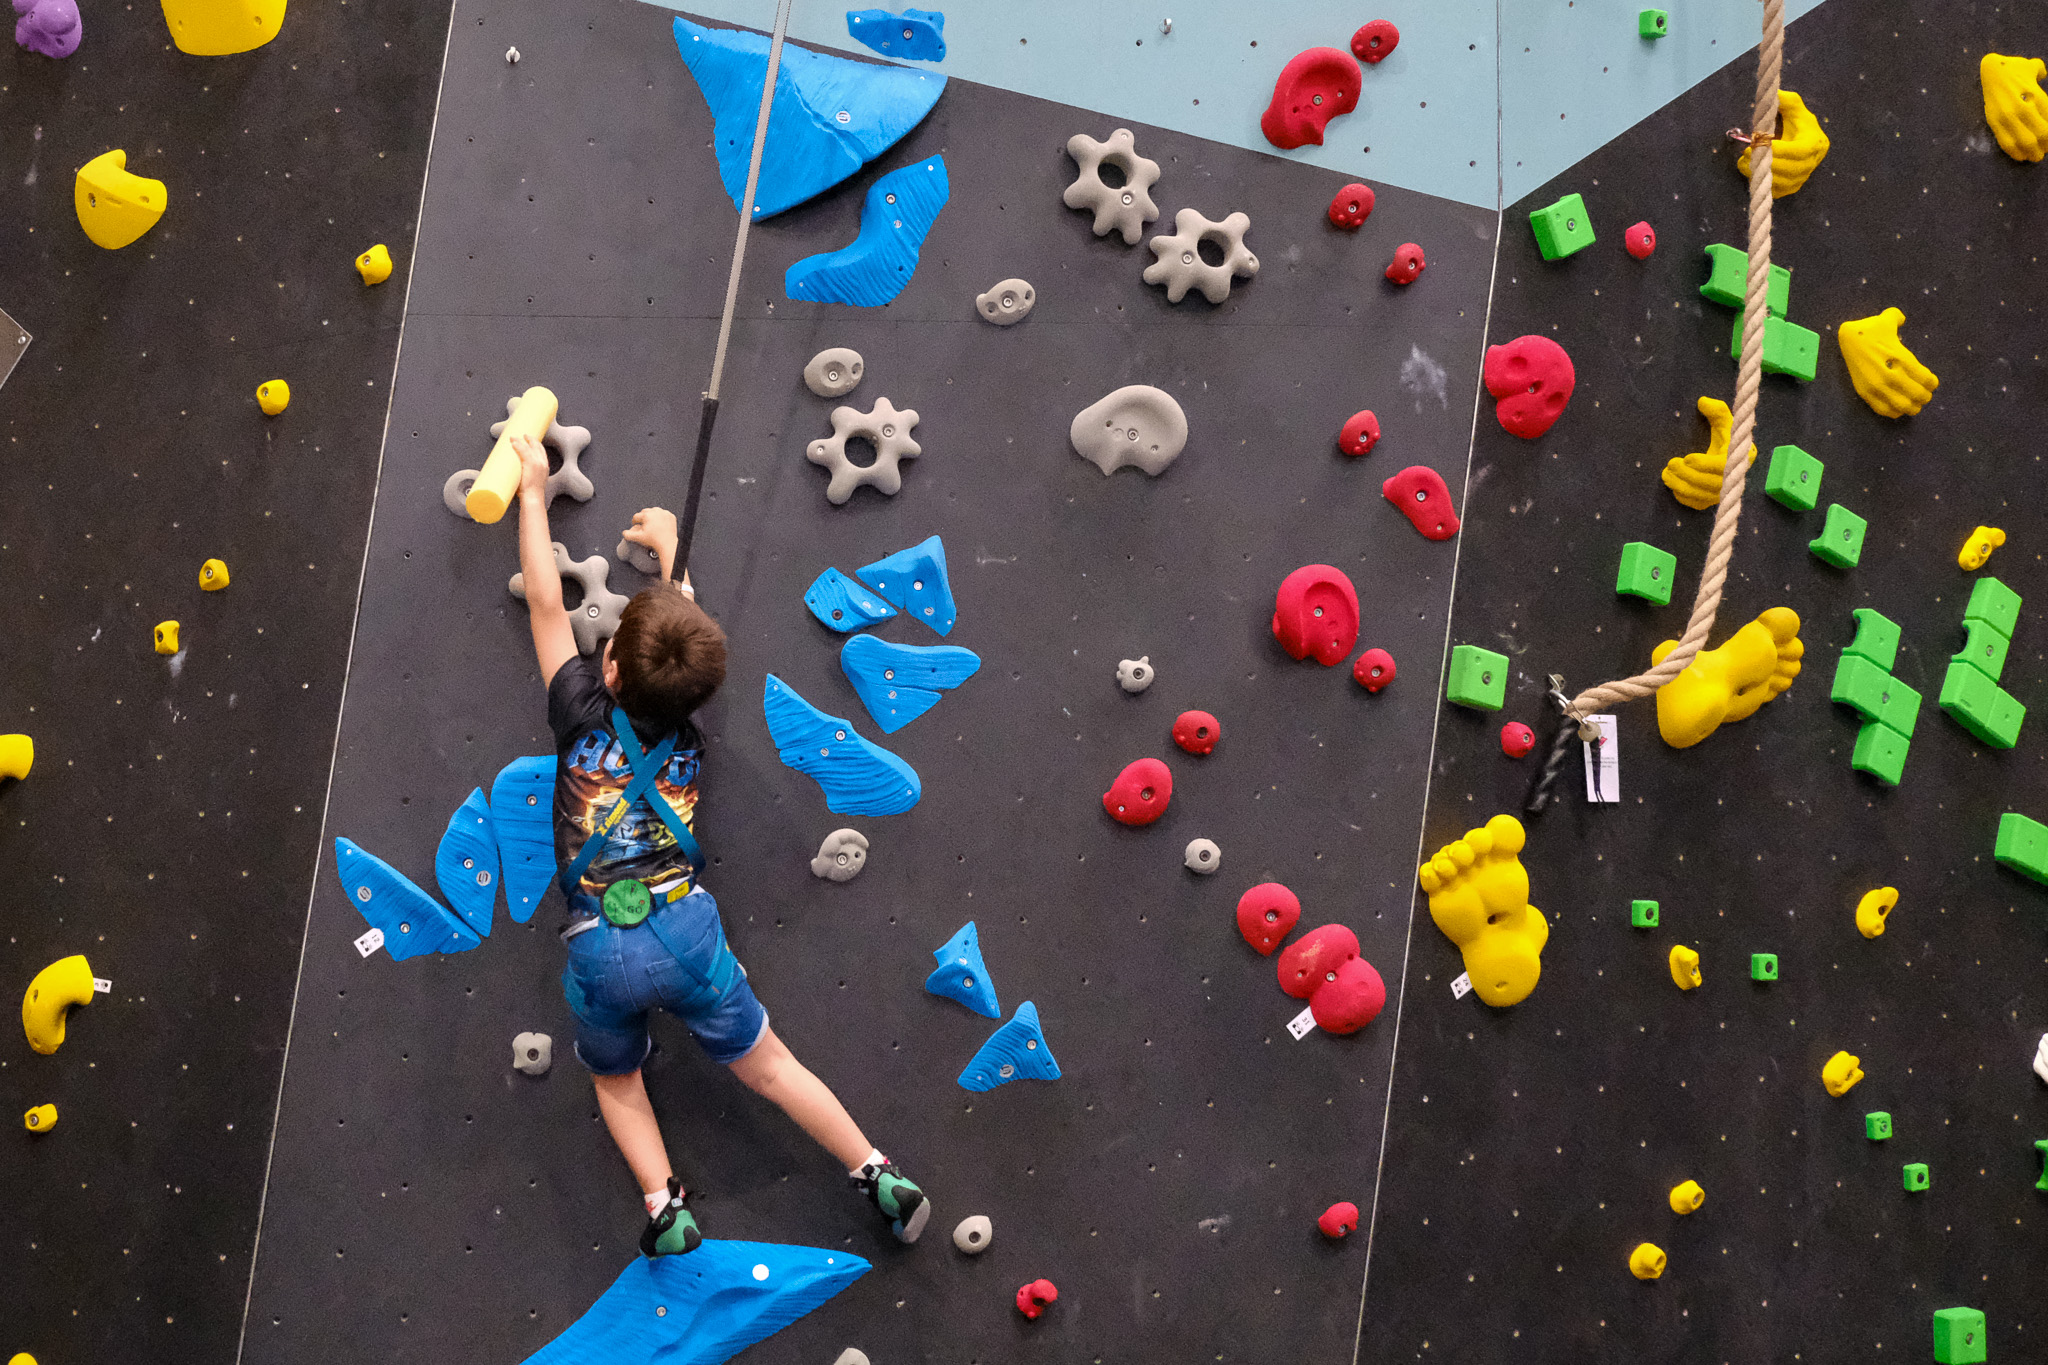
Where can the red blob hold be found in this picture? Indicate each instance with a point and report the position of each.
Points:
(1516, 739)
(1420, 494)
(1533, 379)
(1352, 206)
(1314, 88)
(1316, 612)
(1310, 960)
(1407, 265)
(1140, 792)
(1339, 1220)
(1196, 731)
(1032, 1298)
(1374, 669)
(1266, 915)
(1350, 1001)
(1640, 240)
(1372, 43)
(1360, 434)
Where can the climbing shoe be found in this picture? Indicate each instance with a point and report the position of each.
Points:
(900, 1201)
(673, 1231)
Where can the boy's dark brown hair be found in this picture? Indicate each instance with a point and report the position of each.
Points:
(670, 655)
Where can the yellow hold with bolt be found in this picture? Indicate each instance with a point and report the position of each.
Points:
(1979, 546)
(1687, 1197)
(1874, 908)
(56, 990)
(1841, 1073)
(213, 576)
(40, 1119)
(1685, 967)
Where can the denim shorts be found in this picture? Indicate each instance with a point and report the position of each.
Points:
(615, 976)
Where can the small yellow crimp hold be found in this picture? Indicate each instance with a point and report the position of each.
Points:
(167, 637)
(1979, 546)
(1796, 151)
(213, 576)
(1886, 375)
(1687, 1197)
(2015, 105)
(374, 265)
(1841, 1074)
(55, 990)
(1646, 1262)
(115, 205)
(1873, 909)
(40, 1119)
(1696, 479)
(272, 395)
(1685, 967)
(17, 756)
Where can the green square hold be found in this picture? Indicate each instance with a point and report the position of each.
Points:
(1915, 1176)
(1994, 604)
(1984, 650)
(1652, 23)
(1789, 349)
(1563, 228)
(1881, 752)
(1840, 542)
(1877, 638)
(1878, 1126)
(1794, 478)
(1646, 572)
(1642, 914)
(1875, 694)
(2023, 845)
(1478, 678)
(1763, 966)
(1959, 1337)
(1728, 283)
(1981, 706)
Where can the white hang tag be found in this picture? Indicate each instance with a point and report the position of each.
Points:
(370, 942)
(1302, 1025)
(1461, 987)
(1603, 763)
(102, 986)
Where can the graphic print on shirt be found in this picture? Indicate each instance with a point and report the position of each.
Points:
(593, 776)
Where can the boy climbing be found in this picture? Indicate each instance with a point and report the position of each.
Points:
(643, 932)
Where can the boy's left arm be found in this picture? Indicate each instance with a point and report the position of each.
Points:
(554, 643)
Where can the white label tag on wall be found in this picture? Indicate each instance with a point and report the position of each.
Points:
(1462, 986)
(1302, 1025)
(1603, 763)
(102, 986)
(370, 942)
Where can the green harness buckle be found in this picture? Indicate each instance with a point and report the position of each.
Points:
(627, 902)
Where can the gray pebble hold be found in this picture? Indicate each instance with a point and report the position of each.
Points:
(1135, 675)
(596, 618)
(885, 427)
(841, 857)
(974, 1234)
(1177, 258)
(1203, 856)
(834, 371)
(1124, 208)
(852, 1355)
(1136, 425)
(634, 555)
(1006, 302)
(533, 1053)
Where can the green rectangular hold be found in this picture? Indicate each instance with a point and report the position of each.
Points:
(1477, 678)
(2023, 845)
(1877, 638)
(1916, 1177)
(1840, 541)
(1763, 966)
(1642, 914)
(1652, 23)
(1881, 752)
(1562, 228)
(1981, 706)
(1646, 572)
(1875, 694)
(1793, 478)
(1878, 1126)
(1984, 650)
(1728, 283)
(1959, 1337)
(1789, 349)
(1994, 604)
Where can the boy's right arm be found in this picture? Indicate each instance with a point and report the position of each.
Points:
(554, 643)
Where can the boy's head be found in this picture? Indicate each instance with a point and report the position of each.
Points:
(667, 658)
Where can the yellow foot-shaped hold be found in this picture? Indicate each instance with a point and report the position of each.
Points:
(1874, 909)
(115, 205)
(1688, 1197)
(1696, 479)
(1730, 681)
(1685, 967)
(1979, 546)
(17, 756)
(1887, 376)
(1796, 150)
(2014, 104)
(1646, 1262)
(57, 987)
(1841, 1074)
(1479, 896)
(217, 28)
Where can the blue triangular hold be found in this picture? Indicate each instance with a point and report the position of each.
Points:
(466, 864)
(917, 35)
(843, 604)
(831, 115)
(413, 922)
(962, 975)
(915, 580)
(899, 683)
(702, 1308)
(899, 210)
(1015, 1052)
(859, 777)
(523, 813)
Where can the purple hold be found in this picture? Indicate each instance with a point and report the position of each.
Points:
(51, 27)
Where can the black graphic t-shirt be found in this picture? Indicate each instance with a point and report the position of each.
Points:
(590, 776)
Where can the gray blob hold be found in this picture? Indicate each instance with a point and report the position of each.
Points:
(1126, 208)
(596, 618)
(886, 428)
(1136, 425)
(974, 1234)
(852, 1355)
(1178, 262)
(1203, 856)
(841, 857)
(1135, 675)
(634, 555)
(533, 1053)
(1006, 302)
(833, 371)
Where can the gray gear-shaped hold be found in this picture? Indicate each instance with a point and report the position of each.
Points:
(886, 428)
(1126, 207)
(596, 618)
(1179, 264)
(634, 555)
(569, 443)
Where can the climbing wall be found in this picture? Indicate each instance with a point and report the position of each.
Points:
(1530, 1150)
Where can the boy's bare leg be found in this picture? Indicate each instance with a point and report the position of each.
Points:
(630, 1118)
(773, 1073)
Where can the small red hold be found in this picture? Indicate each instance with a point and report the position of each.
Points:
(1350, 997)
(1314, 88)
(1360, 434)
(1196, 731)
(1372, 43)
(1420, 494)
(1407, 265)
(1266, 915)
(1516, 739)
(1308, 962)
(1352, 206)
(1533, 379)
(1640, 240)
(1032, 1298)
(1140, 793)
(1339, 1220)
(1374, 669)
(1316, 612)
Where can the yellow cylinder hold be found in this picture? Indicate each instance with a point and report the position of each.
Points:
(1687, 1197)
(220, 28)
(115, 205)
(17, 755)
(273, 396)
(498, 484)
(40, 1119)
(213, 576)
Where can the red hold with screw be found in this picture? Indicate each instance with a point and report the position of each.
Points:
(1266, 915)
(1032, 1298)
(1349, 998)
(1140, 793)
(1314, 88)
(1196, 731)
(1316, 613)
(1532, 379)
(1360, 434)
(1352, 206)
(1420, 493)
(1339, 1220)
(1407, 265)
(1309, 960)
(1640, 240)
(1374, 669)
(1373, 42)
(1517, 739)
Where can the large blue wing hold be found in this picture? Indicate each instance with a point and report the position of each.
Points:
(523, 813)
(831, 116)
(413, 922)
(466, 864)
(858, 776)
(917, 35)
(899, 210)
(1015, 1052)
(962, 975)
(843, 604)
(915, 580)
(703, 1308)
(899, 683)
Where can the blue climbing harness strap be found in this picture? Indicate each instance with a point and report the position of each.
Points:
(641, 788)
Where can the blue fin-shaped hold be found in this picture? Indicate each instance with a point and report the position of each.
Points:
(915, 580)
(962, 975)
(858, 776)
(702, 1308)
(466, 864)
(1014, 1052)
(899, 683)
(413, 922)
(919, 35)
(831, 115)
(843, 604)
(899, 210)
(523, 813)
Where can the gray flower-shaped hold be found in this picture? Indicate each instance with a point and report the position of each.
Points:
(1178, 262)
(569, 443)
(1126, 207)
(596, 618)
(886, 428)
